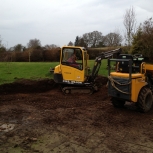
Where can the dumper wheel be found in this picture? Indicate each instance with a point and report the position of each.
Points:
(145, 100)
(117, 102)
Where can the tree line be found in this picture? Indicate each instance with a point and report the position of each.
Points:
(136, 39)
(95, 39)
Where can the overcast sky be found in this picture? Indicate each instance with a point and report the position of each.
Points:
(60, 21)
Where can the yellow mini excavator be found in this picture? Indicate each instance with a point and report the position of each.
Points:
(132, 81)
(75, 75)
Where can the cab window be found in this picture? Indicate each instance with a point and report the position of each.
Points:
(72, 57)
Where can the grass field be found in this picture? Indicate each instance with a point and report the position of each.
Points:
(11, 71)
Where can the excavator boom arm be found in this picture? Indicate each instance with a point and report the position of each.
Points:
(97, 63)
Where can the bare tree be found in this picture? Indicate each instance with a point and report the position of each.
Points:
(18, 48)
(51, 46)
(130, 25)
(96, 37)
(92, 39)
(79, 41)
(113, 39)
(86, 38)
(70, 43)
(34, 43)
(82, 43)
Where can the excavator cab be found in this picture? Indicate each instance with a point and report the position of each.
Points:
(72, 70)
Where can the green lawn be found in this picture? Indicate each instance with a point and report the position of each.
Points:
(102, 71)
(11, 71)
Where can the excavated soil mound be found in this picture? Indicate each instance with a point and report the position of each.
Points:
(41, 85)
(28, 86)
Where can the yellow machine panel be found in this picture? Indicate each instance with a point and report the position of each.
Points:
(70, 73)
(137, 82)
(126, 75)
(136, 86)
(149, 67)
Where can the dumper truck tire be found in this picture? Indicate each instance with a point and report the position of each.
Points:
(117, 102)
(145, 99)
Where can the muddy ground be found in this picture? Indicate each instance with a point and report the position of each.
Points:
(35, 116)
